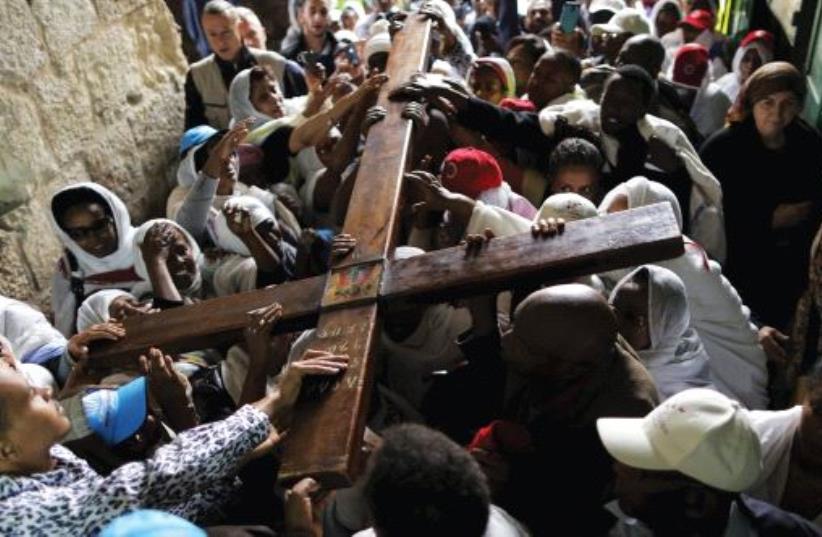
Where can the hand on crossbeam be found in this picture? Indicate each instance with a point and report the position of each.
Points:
(123, 307)
(278, 406)
(342, 244)
(374, 115)
(548, 227)
(257, 335)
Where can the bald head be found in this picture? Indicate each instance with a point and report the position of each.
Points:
(645, 51)
(562, 327)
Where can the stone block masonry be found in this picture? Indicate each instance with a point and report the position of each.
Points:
(90, 90)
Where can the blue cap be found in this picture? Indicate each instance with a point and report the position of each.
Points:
(115, 415)
(151, 523)
(196, 136)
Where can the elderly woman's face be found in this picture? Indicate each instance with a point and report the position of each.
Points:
(775, 112)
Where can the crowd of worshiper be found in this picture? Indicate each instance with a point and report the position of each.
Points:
(680, 398)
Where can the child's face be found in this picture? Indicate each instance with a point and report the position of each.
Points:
(582, 180)
(266, 97)
(486, 85)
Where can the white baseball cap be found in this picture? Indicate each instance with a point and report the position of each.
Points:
(613, 6)
(626, 20)
(697, 432)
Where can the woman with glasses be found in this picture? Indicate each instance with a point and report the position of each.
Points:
(95, 230)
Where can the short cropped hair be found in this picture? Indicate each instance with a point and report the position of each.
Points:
(639, 75)
(567, 62)
(533, 44)
(421, 483)
(221, 7)
(574, 152)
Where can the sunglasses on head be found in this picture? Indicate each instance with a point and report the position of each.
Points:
(80, 233)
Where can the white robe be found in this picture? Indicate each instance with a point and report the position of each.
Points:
(737, 361)
(776, 431)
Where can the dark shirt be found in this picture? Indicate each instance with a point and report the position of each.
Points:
(276, 155)
(768, 267)
(293, 84)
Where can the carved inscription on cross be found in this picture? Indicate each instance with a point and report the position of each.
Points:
(325, 441)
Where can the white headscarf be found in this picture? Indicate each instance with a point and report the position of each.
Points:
(95, 309)
(568, 206)
(218, 228)
(640, 192)
(140, 264)
(239, 100)
(26, 328)
(731, 83)
(655, 13)
(187, 170)
(676, 358)
(89, 264)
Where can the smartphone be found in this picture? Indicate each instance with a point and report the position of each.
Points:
(308, 59)
(569, 17)
(353, 57)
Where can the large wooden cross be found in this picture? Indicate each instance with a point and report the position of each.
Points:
(326, 439)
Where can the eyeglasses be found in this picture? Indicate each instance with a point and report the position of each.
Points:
(96, 228)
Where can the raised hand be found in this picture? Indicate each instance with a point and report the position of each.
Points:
(257, 333)
(218, 159)
(157, 242)
(170, 389)
(238, 220)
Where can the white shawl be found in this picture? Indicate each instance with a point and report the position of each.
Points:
(731, 83)
(676, 358)
(26, 328)
(239, 102)
(737, 361)
(64, 303)
(705, 212)
(776, 431)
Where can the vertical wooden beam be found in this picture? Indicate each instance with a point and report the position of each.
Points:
(327, 436)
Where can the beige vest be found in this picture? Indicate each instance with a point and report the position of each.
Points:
(209, 82)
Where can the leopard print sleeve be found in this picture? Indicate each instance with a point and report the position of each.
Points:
(73, 500)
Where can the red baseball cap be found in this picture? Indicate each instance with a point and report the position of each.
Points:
(690, 64)
(758, 35)
(470, 171)
(701, 19)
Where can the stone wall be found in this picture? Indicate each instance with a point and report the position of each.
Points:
(89, 90)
